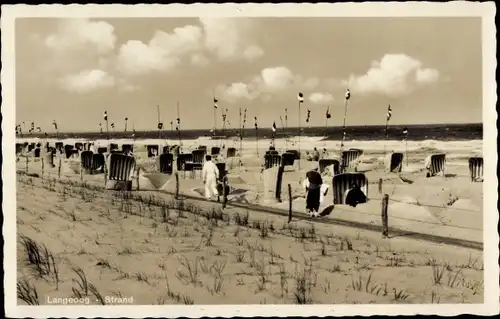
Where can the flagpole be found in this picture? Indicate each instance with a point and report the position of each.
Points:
(107, 130)
(179, 126)
(215, 111)
(299, 134)
(343, 129)
(241, 137)
(158, 116)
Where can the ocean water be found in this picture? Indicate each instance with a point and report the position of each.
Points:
(437, 132)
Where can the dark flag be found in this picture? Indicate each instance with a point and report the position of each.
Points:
(328, 115)
(405, 132)
(55, 124)
(389, 113)
(112, 125)
(308, 115)
(215, 103)
(105, 116)
(274, 127)
(347, 94)
(160, 126)
(256, 127)
(300, 97)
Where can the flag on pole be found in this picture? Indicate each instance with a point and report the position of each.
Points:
(308, 116)
(274, 126)
(405, 132)
(256, 123)
(389, 113)
(55, 124)
(32, 127)
(39, 129)
(160, 126)
(286, 114)
(347, 94)
(300, 97)
(100, 127)
(112, 125)
(328, 115)
(105, 116)
(216, 103)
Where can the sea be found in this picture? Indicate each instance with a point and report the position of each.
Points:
(437, 132)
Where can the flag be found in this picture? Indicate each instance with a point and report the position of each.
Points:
(256, 123)
(286, 114)
(215, 103)
(389, 113)
(112, 125)
(405, 132)
(347, 94)
(328, 115)
(160, 126)
(39, 128)
(105, 116)
(274, 126)
(55, 124)
(178, 121)
(300, 97)
(32, 127)
(126, 119)
(308, 115)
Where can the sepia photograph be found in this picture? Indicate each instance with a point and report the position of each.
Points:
(250, 160)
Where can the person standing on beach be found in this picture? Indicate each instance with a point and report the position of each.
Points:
(210, 175)
(315, 155)
(313, 184)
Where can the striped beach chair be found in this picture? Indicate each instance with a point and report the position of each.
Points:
(231, 152)
(222, 175)
(86, 158)
(325, 162)
(271, 160)
(153, 150)
(60, 147)
(166, 149)
(343, 183)
(79, 146)
(113, 147)
(393, 162)
(182, 159)
(98, 163)
(214, 151)
(102, 150)
(120, 168)
(127, 148)
(435, 164)
(36, 152)
(350, 157)
(166, 163)
(202, 147)
(19, 148)
(476, 169)
(87, 146)
(198, 156)
(295, 153)
(31, 146)
(287, 158)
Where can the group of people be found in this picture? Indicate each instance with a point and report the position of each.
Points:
(315, 155)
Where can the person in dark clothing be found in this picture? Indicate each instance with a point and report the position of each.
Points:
(315, 155)
(355, 196)
(313, 184)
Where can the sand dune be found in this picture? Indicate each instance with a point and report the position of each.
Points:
(147, 244)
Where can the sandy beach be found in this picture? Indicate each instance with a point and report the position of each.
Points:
(146, 247)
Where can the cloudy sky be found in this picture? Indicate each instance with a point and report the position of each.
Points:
(71, 70)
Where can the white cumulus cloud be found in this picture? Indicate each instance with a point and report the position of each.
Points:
(269, 81)
(321, 98)
(163, 52)
(87, 81)
(199, 59)
(75, 34)
(393, 75)
(228, 39)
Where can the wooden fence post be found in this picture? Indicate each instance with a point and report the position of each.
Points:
(43, 166)
(289, 203)
(380, 186)
(279, 183)
(224, 193)
(176, 185)
(59, 169)
(385, 223)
